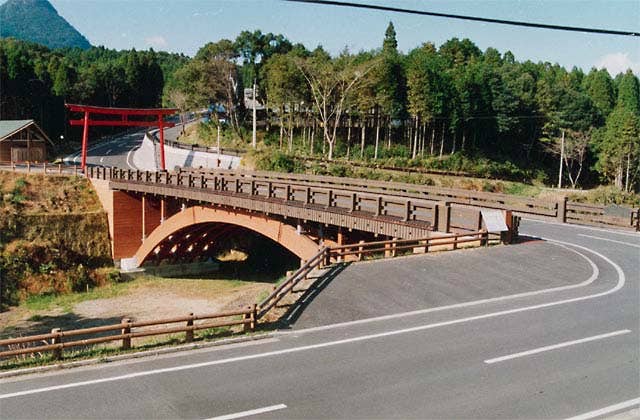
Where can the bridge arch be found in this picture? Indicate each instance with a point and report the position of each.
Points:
(287, 236)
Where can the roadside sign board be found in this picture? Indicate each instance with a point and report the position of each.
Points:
(494, 220)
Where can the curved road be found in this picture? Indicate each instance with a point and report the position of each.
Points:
(567, 351)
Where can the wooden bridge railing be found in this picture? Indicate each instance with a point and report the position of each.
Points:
(562, 210)
(415, 213)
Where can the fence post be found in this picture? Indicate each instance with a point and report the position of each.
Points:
(59, 168)
(288, 197)
(379, 206)
(354, 202)
(44, 167)
(249, 319)
(28, 166)
(562, 210)
(188, 335)
(360, 249)
(387, 250)
(126, 329)
(330, 199)
(57, 352)
(442, 213)
(407, 211)
(254, 317)
(507, 237)
(308, 197)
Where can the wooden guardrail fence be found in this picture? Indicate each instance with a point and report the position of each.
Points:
(388, 249)
(41, 167)
(127, 329)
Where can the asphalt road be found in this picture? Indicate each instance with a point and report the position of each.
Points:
(117, 151)
(564, 342)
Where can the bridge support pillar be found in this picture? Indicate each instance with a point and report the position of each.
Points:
(151, 215)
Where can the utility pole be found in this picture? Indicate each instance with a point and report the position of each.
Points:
(253, 138)
(218, 145)
(561, 160)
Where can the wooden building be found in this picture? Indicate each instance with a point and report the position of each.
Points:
(22, 141)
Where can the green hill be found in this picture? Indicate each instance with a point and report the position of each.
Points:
(38, 21)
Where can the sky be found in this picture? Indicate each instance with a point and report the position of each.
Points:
(186, 25)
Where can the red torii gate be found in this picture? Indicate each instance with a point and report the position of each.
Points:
(124, 121)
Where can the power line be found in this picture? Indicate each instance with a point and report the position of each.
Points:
(472, 18)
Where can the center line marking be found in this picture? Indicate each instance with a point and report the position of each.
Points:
(250, 412)
(556, 346)
(609, 240)
(607, 410)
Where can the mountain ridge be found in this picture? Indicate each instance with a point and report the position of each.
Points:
(38, 21)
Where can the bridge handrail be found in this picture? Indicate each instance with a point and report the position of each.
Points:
(396, 209)
(126, 333)
(561, 210)
(279, 292)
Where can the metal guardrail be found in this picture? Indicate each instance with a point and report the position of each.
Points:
(128, 330)
(207, 149)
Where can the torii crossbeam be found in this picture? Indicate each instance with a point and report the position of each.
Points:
(124, 121)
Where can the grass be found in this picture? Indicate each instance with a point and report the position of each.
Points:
(39, 193)
(67, 301)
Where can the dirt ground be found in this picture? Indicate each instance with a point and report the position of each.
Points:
(142, 300)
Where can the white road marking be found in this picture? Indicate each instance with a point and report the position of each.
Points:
(129, 156)
(609, 240)
(108, 151)
(607, 410)
(616, 232)
(595, 272)
(555, 346)
(101, 159)
(618, 286)
(250, 412)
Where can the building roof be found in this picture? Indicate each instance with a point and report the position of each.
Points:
(11, 127)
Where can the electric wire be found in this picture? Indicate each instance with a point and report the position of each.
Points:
(471, 18)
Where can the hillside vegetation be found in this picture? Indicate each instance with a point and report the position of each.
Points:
(53, 236)
(38, 21)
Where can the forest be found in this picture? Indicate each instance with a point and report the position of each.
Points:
(433, 106)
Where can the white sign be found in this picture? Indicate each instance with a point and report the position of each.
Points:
(494, 220)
